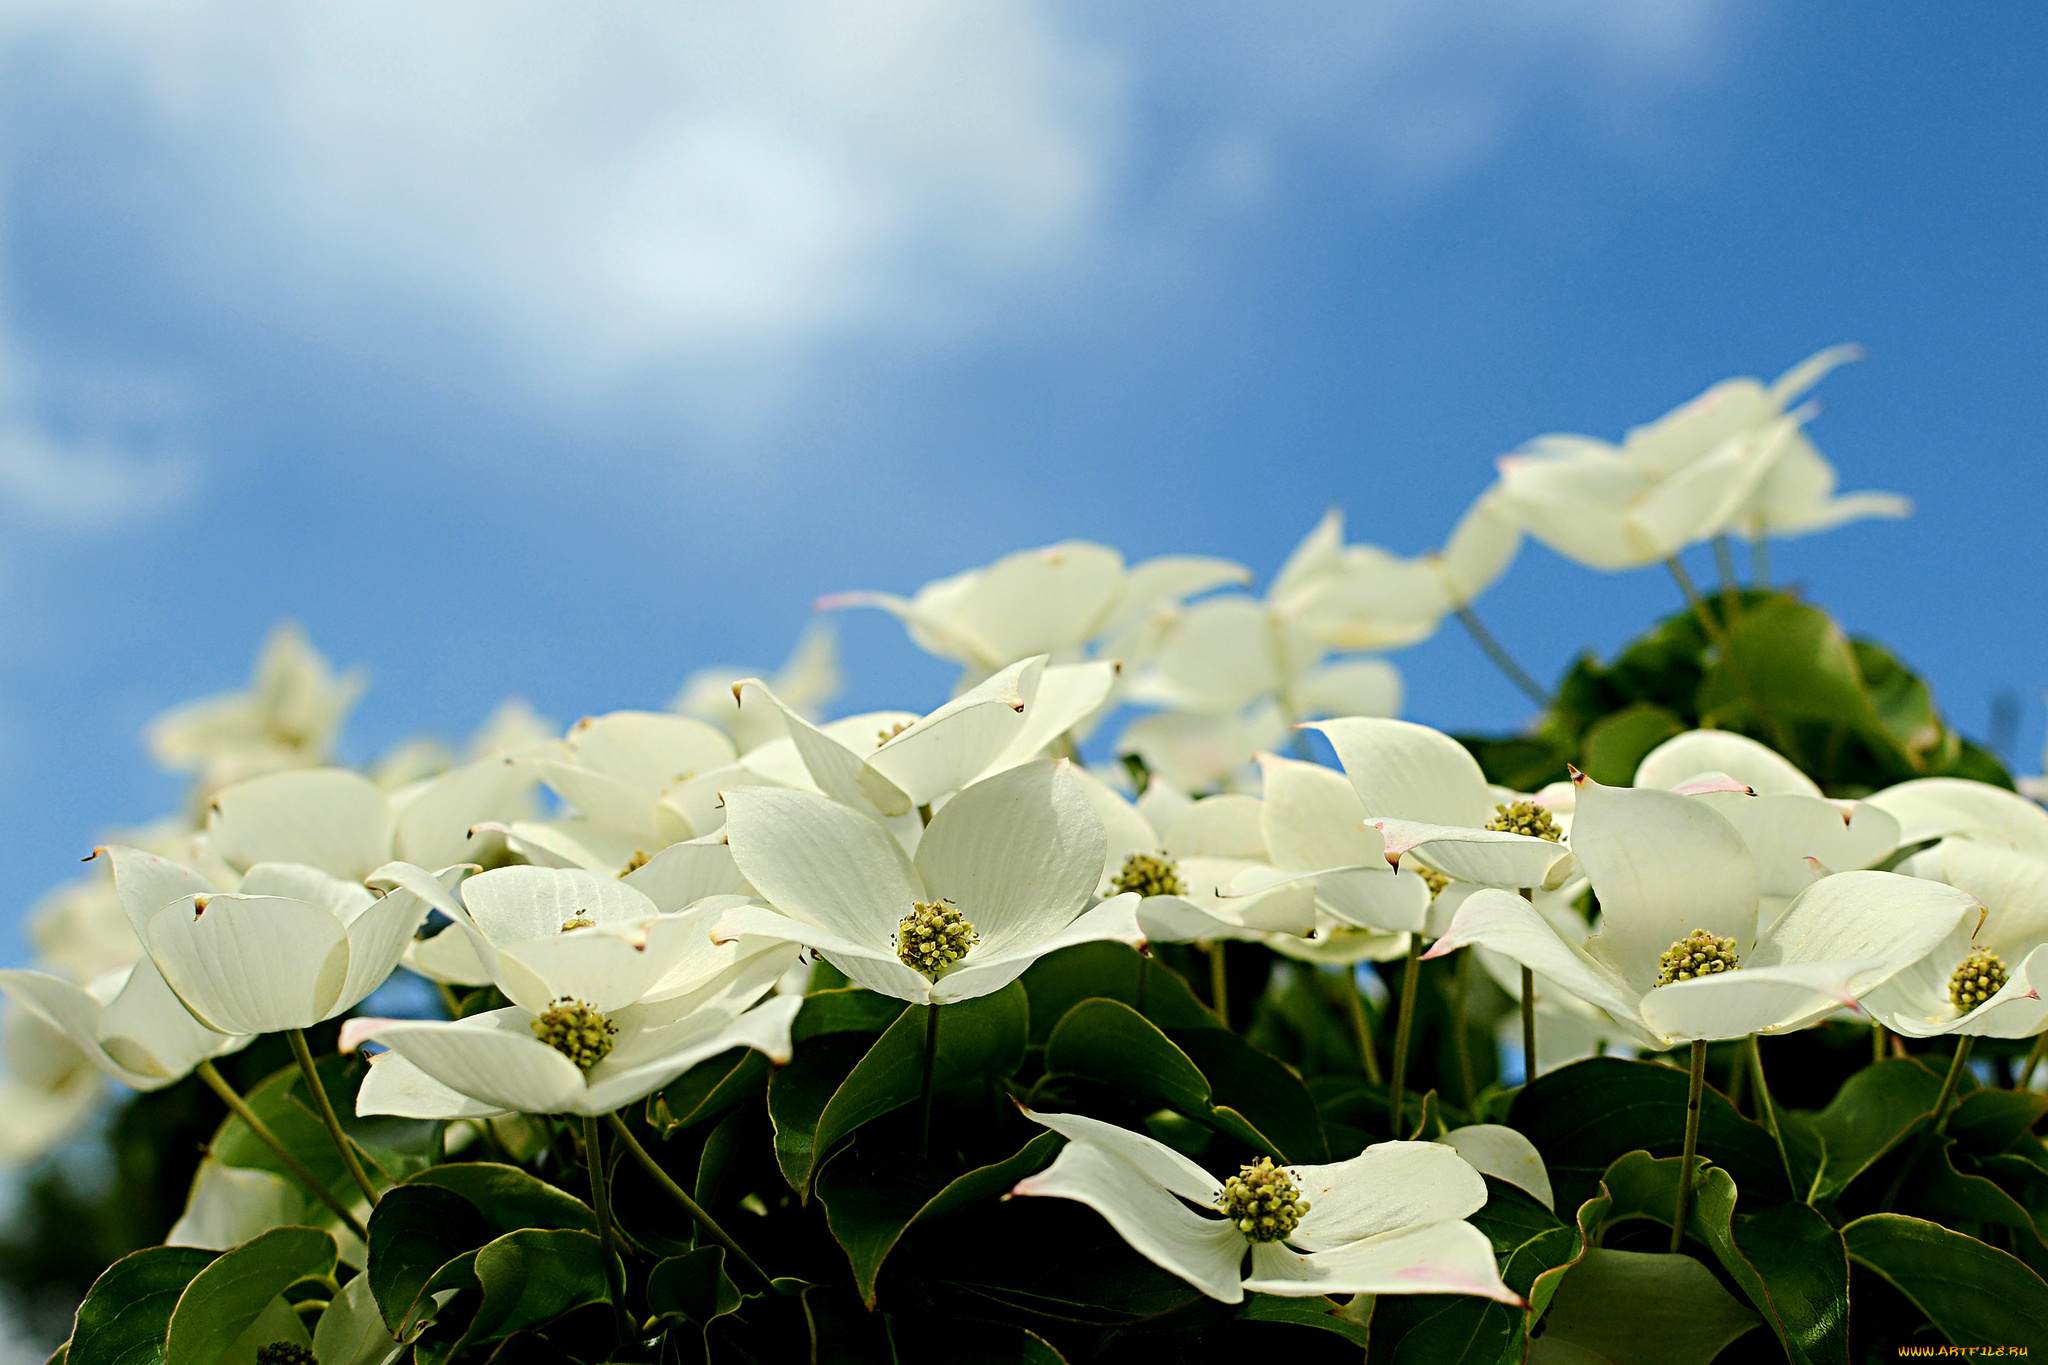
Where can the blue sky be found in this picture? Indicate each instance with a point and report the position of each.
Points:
(516, 352)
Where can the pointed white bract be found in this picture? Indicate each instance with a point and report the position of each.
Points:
(1666, 866)
(1388, 1221)
(1017, 857)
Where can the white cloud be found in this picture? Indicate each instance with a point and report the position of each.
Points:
(710, 200)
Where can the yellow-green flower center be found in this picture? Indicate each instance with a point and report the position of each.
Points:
(1262, 1201)
(1980, 976)
(1433, 879)
(284, 1353)
(1698, 954)
(639, 860)
(578, 921)
(1150, 876)
(577, 1031)
(933, 936)
(884, 736)
(1524, 817)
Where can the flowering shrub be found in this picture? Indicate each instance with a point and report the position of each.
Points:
(1699, 1020)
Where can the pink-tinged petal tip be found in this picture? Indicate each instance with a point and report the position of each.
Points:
(359, 1030)
(1443, 947)
(1715, 784)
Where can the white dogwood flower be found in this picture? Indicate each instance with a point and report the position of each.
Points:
(1005, 874)
(1052, 601)
(287, 717)
(1680, 953)
(809, 678)
(1388, 1221)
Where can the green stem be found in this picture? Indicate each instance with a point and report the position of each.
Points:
(1767, 1109)
(1504, 661)
(326, 1108)
(1877, 1042)
(1219, 982)
(1724, 562)
(1760, 563)
(675, 1191)
(2026, 1077)
(931, 1061)
(601, 1204)
(1461, 1044)
(1956, 1064)
(1361, 1024)
(1404, 1022)
(219, 1085)
(1692, 1145)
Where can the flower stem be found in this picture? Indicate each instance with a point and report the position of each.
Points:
(1504, 661)
(601, 1203)
(1760, 563)
(675, 1191)
(1219, 983)
(931, 1061)
(326, 1107)
(219, 1085)
(1877, 1042)
(1361, 1024)
(1961, 1059)
(1767, 1109)
(1404, 1022)
(1692, 1144)
(2026, 1077)
(1461, 1044)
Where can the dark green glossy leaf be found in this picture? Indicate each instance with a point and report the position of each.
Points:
(509, 1198)
(532, 1277)
(1584, 1116)
(693, 1287)
(845, 1009)
(1875, 1110)
(414, 1231)
(1990, 1121)
(1632, 1305)
(709, 1089)
(1976, 1294)
(1614, 746)
(984, 1036)
(871, 1199)
(798, 1094)
(1321, 1313)
(227, 1297)
(1111, 971)
(1269, 1096)
(1528, 1238)
(1444, 1329)
(128, 1309)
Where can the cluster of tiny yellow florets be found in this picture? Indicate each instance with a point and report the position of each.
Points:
(636, 862)
(577, 1031)
(579, 920)
(1524, 817)
(1262, 1201)
(1150, 876)
(1980, 976)
(284, 1353)
(933, 936)
(884, 736)
(1433, 879)
(1698, 954)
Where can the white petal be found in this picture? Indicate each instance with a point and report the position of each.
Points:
(877, 968)
(1206, 1252)
(1489, 857)
(1876, 915)
(147, 1029)
(1041, 601)
(1480, 547)
(834, 766)
(1388, 1186)
(948, 749)
(1935, 807)
(449, 957)
(1662, 865)
(765, 1029)
(1226, 826)
(1409, 772)
(146, 883)
(1068, 695)
(1435, 1258)
(434, 820)
(1499, 1151)
(251, 964)
(820, 861)
(1573, 494)
(1753, 999)
(683, 874)
(1018, 853)
(984, 971)
(648, 749)
(606, 967)
(2013, 885)
(1787, 834)
(1169, 578)
(608, 802)
(2017, 1011)
(1509, 925)
(1125, 830)
(491, 1057)
(396, 1086)
(1760, 768)
(328, 818)
(1352, 687)
(1157, 1162)
(1311, 818)
(75, 1014)
(516, 904)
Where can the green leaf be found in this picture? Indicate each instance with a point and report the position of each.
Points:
(927, 1341)
(1875, 1110)
(798, 1094)
(1976, 1294)
(1319, 1312)
(984, 1036)
(1584, 1116)
(414, 1231)
(1444, 1329)
(693, 1287)
(1632, 1305)
(128, 1309)
(1990, 1121)
(1110, 971)
(1528, 1238)
(509, 1198)
(532, 1277)
(1614, 746)
(1937, 1186)
(1110, 1043)
(845, 1009)
(872, 1198)
(1271, 1097)
(225, 1299)
(709, 1089)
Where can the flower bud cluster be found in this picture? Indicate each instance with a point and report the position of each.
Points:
(1262, 1201)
